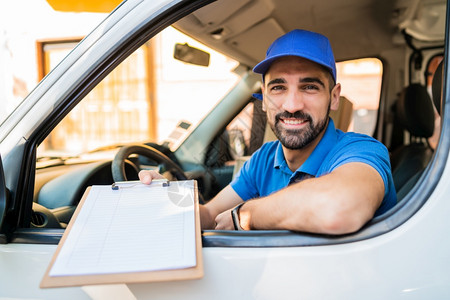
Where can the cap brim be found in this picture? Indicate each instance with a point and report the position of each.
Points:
(264, 65)
(257, 96)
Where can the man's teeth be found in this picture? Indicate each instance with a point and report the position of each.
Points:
(293, 122)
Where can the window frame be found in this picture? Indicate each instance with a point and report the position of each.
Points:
(414, 200)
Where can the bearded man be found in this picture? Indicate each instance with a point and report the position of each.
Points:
(314, 178)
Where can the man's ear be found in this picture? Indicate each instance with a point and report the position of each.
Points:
(335, 95)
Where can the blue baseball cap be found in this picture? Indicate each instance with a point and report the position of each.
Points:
(302, 43)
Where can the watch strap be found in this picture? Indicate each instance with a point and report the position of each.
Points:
(235, 216)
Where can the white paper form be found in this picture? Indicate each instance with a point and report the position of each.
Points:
(135, 228)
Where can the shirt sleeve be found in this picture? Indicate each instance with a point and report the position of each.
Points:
(369, 151)
(245, 183)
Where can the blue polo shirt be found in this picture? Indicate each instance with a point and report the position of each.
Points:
(267, 171)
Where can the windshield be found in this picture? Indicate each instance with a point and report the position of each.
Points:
(150, 97)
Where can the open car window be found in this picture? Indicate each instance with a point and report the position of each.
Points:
(184, 111)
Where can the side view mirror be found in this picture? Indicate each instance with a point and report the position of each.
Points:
(191, 55)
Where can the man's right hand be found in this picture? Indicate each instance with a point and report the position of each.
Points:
(146, 176)
(224, 201)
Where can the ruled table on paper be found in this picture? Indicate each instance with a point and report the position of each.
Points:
(132, 229)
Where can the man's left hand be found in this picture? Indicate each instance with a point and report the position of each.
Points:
(224, 221)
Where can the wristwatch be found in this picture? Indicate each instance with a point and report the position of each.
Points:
(235, 217)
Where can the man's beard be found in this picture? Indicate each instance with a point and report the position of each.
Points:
(298, 139)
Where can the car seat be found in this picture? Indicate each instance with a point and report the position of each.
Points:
(343, 116)
(436, 87)
(415, 113)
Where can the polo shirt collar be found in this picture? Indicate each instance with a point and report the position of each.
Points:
(314, 161)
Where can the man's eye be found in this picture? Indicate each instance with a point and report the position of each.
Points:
(310, 87)
(277, 88)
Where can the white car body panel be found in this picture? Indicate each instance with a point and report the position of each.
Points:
(398, 264)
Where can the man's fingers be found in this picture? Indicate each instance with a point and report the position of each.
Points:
(147, 176)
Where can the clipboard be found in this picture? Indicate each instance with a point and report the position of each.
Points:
(188, 273)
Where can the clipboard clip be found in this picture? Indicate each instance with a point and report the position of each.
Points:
(129, 184)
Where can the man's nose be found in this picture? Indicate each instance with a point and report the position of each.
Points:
(293, 102)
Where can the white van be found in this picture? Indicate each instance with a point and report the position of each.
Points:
(400, 254)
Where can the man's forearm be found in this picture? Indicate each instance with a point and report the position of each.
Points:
(206, 220)
(334, 204)
(288, 210)
(223, 201)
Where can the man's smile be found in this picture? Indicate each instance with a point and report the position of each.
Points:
(293, 122)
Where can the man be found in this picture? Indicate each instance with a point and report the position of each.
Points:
(314, 178)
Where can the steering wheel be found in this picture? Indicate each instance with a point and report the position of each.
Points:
(118, 164)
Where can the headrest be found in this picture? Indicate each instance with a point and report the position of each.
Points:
(436, 87)
(415, 111)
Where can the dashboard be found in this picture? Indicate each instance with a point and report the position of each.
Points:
(59, 189)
